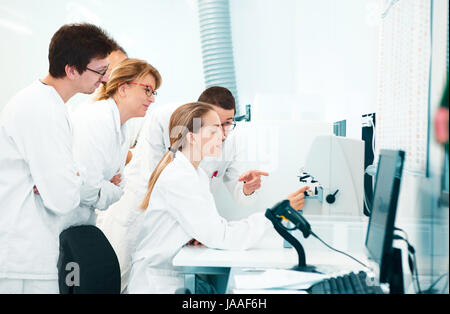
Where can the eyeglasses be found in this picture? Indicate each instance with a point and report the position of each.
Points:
(148, 89)
(99, 73)
(228, 126)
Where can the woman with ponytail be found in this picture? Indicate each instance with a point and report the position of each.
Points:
(179, 206)
(100, 136)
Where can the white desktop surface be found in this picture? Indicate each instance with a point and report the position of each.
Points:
(270, 253)
(206, 257)
(200, 257)
(201, 260)
(226, 263)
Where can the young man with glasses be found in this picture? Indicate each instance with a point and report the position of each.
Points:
(40, 184)
(154, 142)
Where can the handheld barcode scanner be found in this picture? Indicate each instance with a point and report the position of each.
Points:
(283, 210)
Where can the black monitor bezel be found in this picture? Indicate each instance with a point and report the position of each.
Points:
(385, 263)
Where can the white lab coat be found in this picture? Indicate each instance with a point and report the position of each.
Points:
(100, 150)
(182, 208)
(134, 127)
(36, 150)
(152, 144)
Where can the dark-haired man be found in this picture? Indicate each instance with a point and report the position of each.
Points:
(39, 181)
(228, 168)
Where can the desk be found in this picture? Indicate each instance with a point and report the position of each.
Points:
(205, 261)
(201, 260)
(270, 254)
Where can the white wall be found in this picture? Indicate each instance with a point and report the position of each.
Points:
(318, 58)
(164, 33)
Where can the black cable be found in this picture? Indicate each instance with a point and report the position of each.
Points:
(446, 285)
(402, 231)
(429, 290)
(416, 272)
(317, 237)
(412, 261)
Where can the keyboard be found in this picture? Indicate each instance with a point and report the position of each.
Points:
(346, 284)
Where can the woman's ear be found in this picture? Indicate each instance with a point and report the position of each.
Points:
(190, 138)
(122, 90)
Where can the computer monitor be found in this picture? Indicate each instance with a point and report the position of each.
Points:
(380, 231)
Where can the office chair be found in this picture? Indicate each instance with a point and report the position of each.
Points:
(87, 262)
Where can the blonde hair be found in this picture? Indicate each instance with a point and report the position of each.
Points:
(126, 71)
(181, 119)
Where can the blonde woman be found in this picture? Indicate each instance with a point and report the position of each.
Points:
(179, 206)
(100, 135)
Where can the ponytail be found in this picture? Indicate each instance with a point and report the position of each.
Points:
(102, 94)
(163, 163)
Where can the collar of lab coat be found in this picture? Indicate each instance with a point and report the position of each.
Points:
(116, 115)
(52, 90)
(184, 161)
(58, 99)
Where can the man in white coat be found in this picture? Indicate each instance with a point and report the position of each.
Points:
(39, 181)
(154, 142)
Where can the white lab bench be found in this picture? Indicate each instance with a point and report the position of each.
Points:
(271, 253)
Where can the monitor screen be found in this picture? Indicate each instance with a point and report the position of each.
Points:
(381, 224)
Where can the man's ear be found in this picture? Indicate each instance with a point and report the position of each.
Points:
(71, 72)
